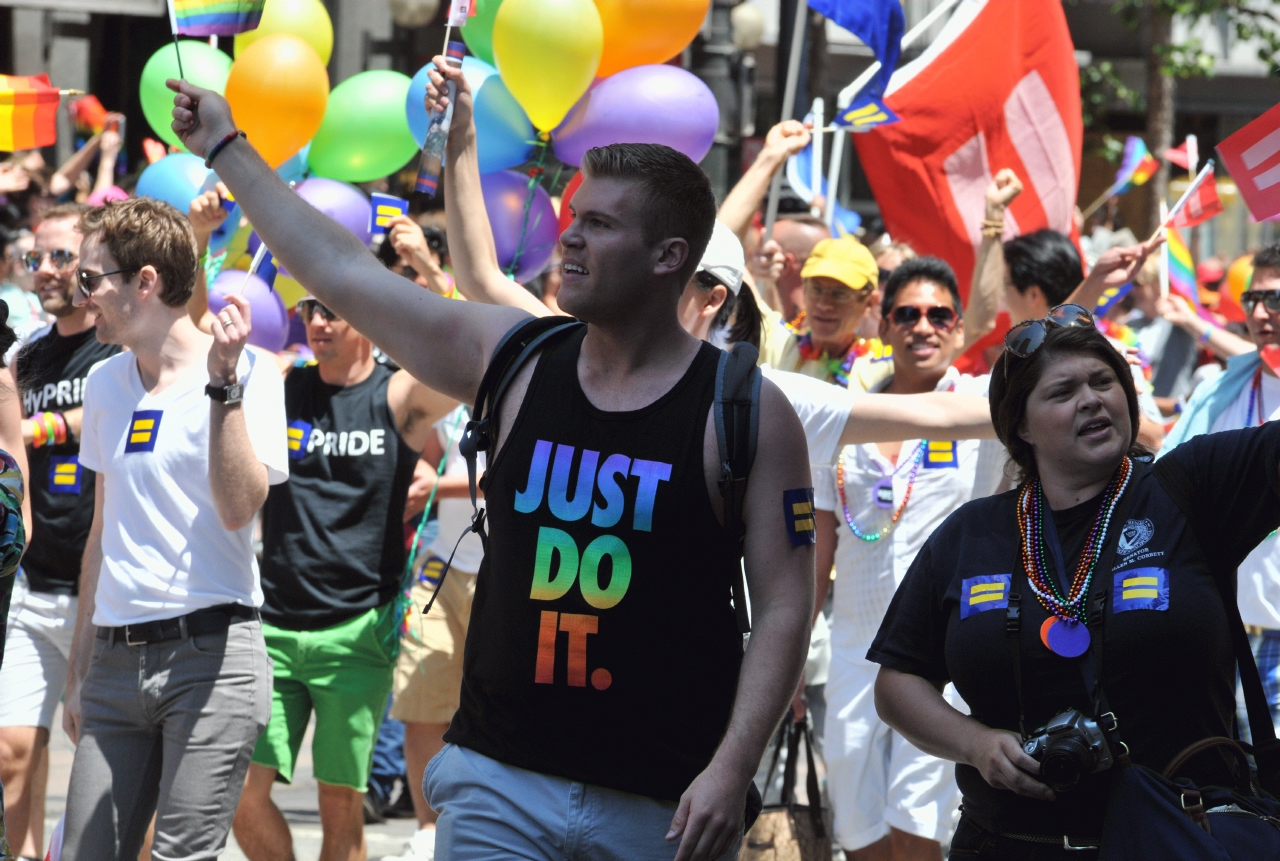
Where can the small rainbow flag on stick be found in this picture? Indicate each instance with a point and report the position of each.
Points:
(28, 111)
(1182, 271)
(1137, 166)
(214, 17)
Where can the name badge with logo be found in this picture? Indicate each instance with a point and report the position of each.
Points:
(299, 433)
(1134, 535)
(144, 427)
(984, 592)
(1141, 589)
(64, 474)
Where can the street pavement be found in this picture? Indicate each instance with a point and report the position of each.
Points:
(297, 802)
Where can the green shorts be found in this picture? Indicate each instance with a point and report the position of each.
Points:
(344, 673)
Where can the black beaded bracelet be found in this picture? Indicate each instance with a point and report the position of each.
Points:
(217, 148)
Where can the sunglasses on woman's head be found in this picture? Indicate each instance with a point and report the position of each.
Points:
(940, 317)
(309, 307)
(1270, 300)
(1028, 336)
(61, 258)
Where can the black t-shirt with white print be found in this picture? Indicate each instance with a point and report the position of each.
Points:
(1168, 666)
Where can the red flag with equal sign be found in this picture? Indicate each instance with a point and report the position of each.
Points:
(1202, 205)
(1252, 157)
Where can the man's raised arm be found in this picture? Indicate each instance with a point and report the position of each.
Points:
(443, 343)
(471, 248)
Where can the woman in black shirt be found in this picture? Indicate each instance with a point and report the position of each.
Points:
(1137, 541)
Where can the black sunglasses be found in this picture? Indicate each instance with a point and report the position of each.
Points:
(86, 279)
(309, 307)
(61, 258)
(1270, 300)
(940, 317)
(1028, 336)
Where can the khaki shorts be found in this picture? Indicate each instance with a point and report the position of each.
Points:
(428, 678)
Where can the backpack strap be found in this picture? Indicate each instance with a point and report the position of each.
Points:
(521, 342)
(737, 417)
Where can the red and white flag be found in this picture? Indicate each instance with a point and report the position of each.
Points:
(1252, 157)
(1185, 155)
(998, 88)
(1202, 205)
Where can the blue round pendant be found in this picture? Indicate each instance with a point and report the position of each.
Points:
(882, 493)
(1068, 638)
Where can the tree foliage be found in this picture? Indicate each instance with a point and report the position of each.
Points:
(1247, 19)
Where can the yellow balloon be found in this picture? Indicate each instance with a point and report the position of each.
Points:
(306, 19)
(642, 32)
(547, 52)
(290, 291)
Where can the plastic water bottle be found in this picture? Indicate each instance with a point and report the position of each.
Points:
(432, 163)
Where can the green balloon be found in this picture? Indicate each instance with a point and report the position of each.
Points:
(201, 65)
(478, 31)
(365, 133)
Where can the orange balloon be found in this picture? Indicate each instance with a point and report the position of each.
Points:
(278, 90)
(1239, 274)
(639, 32)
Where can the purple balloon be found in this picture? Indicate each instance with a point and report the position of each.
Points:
(644, 104)
(269, 320)
(344, 203)
(505, 192)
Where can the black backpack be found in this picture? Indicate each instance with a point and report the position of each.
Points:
(737, 418)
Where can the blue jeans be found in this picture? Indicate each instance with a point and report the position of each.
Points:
(388, 758)
(493, 811)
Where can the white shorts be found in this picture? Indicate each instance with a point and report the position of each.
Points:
(876, 778)
(37, 645)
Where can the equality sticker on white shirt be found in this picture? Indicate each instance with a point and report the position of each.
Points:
(984, 592)
(1141, 589)
(144, 427)
(64, 474)
(941, 454)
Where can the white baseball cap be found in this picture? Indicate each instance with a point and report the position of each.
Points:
(724, 259)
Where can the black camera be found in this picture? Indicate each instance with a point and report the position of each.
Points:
(1068, 747)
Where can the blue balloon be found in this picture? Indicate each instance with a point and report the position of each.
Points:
(176, 179)
(295, 169)
(504, 135)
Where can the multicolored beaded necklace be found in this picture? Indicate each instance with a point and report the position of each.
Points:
(839, 367)
(1255, 397)
(1064, 632)
(906, 497)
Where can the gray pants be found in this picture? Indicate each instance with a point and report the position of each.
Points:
(166, 729)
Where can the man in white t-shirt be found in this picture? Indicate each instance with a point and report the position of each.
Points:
(875, 508)
(169, 683)
(1247, 394)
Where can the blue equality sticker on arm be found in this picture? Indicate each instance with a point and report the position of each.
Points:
(984, 592)
(797, 510)
(1140, 589)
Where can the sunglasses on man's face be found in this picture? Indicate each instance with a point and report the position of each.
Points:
(1270, 300)
(940, 317)
(1028, 336)
(88, 281)
(61, 258)
(307, 308)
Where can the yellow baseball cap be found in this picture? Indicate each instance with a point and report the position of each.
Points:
(845, 259)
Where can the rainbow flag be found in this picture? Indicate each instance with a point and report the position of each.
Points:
(28, 109)
(1182, 271)
(1137, 166)
(214, 17)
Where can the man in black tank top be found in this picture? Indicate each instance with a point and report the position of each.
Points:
(332, 560)
(608, 708)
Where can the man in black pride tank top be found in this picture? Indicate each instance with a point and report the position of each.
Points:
(608, 709)
(332, 559)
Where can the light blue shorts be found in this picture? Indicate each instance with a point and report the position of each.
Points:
(491, 811)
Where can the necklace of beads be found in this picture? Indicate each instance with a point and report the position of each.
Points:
(838, 367)
(1031, 514)
(906, 497)
(1255, 397)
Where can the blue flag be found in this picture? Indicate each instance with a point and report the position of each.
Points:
(879, 24)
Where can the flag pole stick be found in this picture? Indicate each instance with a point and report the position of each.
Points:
(1093, 207)
(173, 28)
(788, 108)
(1186, 195)
(815, 160)
(1164, 256)
(253, 266)
(448, 28)
(177, 53)
(833, 178)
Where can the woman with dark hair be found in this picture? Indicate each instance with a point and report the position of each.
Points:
(1096, 546)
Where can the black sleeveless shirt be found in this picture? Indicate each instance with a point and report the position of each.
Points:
(333, 536)
(603, 646)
